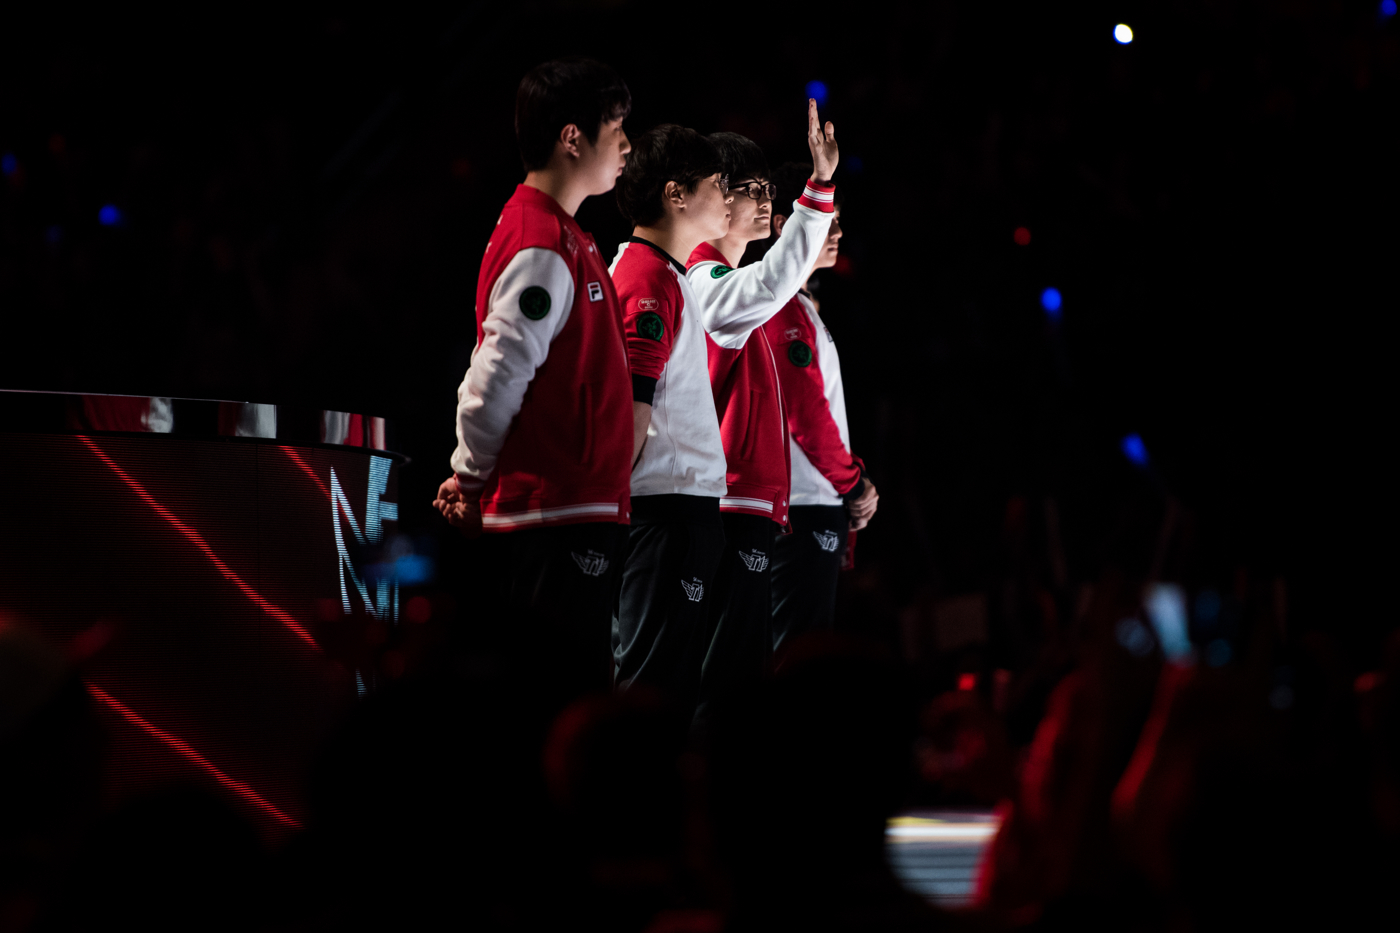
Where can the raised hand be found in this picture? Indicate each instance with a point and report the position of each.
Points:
(822, 142)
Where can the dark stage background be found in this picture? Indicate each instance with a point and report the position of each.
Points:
(291, 207)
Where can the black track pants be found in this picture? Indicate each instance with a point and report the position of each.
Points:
(741, 643)
(805, 566)
(668, 570)
(557, 593)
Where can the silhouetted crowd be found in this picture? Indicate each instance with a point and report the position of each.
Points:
(1260, 789)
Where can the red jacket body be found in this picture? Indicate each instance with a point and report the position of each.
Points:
(545, 413)
(752, 420)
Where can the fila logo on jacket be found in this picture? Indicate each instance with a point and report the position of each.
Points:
(827, 540)
(694, 591)
(757, 561)
(593, 565)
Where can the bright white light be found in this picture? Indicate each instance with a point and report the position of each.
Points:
(936, 831)
(1122, 33)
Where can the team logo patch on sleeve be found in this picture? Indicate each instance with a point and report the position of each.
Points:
(648, 304)
(534, 302)
(595, 290)
(799, 354)
(651, 326)
(719, 272)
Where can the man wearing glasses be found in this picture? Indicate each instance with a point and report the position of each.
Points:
(734, 304)
(675, 196)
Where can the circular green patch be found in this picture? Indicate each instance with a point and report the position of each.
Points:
(719, 272)
(799, 354)
(534, 302)
(651, 326)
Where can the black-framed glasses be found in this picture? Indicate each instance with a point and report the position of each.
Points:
(724, 185)
(756, 190)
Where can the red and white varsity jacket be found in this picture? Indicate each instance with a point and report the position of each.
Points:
(683, 454)
(735, 303)
(809, 371)
(544, 415)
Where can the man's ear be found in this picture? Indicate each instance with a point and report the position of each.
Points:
(778, 221)
(571, 138)
(673, 193)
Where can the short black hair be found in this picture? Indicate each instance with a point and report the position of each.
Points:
(791, 179)
(553, 95)
(666, 153)
(740, 156)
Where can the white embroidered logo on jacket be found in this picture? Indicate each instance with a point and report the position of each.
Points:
(594, 565)
(757, 561)
(694, 591)
(827, 540)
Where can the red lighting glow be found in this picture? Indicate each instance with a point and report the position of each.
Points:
(967, 681)
(195, 538)
(296, 458)
(182, 747)
(1022, 236)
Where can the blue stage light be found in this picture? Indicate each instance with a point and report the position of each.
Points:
(1050, 300)
(1123, 33)
(1135, 450)
(854, 164)
(817, 91)
(9, 163)
(109, 216)
(1387, 10)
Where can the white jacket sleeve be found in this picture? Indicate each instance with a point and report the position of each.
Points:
(734, 304)
(528, 308)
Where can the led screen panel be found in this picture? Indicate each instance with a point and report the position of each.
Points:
(210, 570)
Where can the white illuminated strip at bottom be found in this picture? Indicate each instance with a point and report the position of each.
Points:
(908, 829)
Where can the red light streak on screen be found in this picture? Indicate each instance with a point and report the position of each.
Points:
(183, 748)
(296, 458)
(194, 537)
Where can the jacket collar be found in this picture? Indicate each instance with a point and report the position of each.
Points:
(537, 198)
(660, 252)
(706, 253)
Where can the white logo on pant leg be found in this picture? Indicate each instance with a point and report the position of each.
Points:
(827, 540)
(694, 591)
(757, 561)
(594, 565)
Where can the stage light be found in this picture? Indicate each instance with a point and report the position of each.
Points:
(109, 215)
(1050, 300)
(817, 91)
(1387, 9)
(854, 164)
(1124, 35)
(1135, 450)
(9, 163)
(1022, 236)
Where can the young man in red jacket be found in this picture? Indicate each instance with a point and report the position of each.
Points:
(676, 197)
(735, 303)
(544, 415)
(830, 492)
